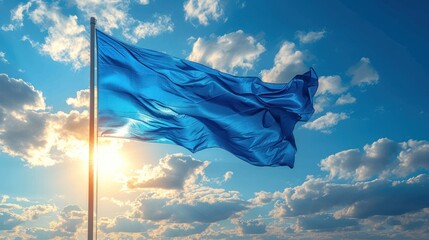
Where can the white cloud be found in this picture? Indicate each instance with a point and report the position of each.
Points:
(326, 122)
(345, 99)
(66, 40)
(17, 16)
(173, 172)
(358, 200)
(160, 25)
(330, 85)
(29, 131)
(81, 99)
(310, 37)
(383, 158)
(3, 57)
(288, 62)
(363, 73)
(413, 157)
(228, 52)
(202, 10)
(321, 102)
(262, 198)
(143, 2)
(227, 176)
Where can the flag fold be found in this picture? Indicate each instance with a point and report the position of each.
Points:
(151, 96)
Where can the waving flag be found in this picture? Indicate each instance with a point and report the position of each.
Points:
(151, 96)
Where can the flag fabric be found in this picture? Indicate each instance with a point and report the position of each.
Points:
(151, 96)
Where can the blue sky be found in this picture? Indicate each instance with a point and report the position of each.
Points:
(361, 170)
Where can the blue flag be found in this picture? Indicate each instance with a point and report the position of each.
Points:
(151, 96)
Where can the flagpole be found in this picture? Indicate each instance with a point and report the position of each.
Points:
(91, 136)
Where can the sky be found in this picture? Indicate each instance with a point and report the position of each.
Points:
(362, 166)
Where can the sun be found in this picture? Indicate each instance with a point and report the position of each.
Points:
(110, 161)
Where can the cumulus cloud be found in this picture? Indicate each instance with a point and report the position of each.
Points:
(16, 94)
(124, 224)
(262, 198)
(357, 200)
(172, 172)
(180, 230)
(345, 99)
(228, 52)
(326, 122)
(202, 10)
(380, 159)
(310, 37)
(81, 99)
(374, 161)
(330, 85)
(66, 40)
(199, 211)
(414, 156)
(68, 225)
(12, 215)
(325, 223)
(288, 62)
(320, 103)
(29, 131)
(252, 226)
(363, 73)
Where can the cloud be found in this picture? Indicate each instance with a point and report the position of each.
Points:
(16, 94)
(310, 37)
(262, 198)
(29, 131)
(181, 230)
(228, 52)
(326, 122)
(12, 215)
(321, 103)
(202, 10)
(144, 2)
(357, 200)
(227, 176)
(325, 223)
(66, 40)
(17, 17)
(288, 62)
(373, 162)
(345, 99)
(199, 211)
(147, 29)
(3, 57)
(124, 224)
(252, 227)
(81, 99)
(363, 73)
(414, 156)
(8, 221)
(383, 158)
(172, 172)
(114, 15)
(330, 85)
(68, 225)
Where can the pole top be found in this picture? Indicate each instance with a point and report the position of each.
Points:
(93, 20)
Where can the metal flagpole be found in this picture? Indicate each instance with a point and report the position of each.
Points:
(91, 136)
